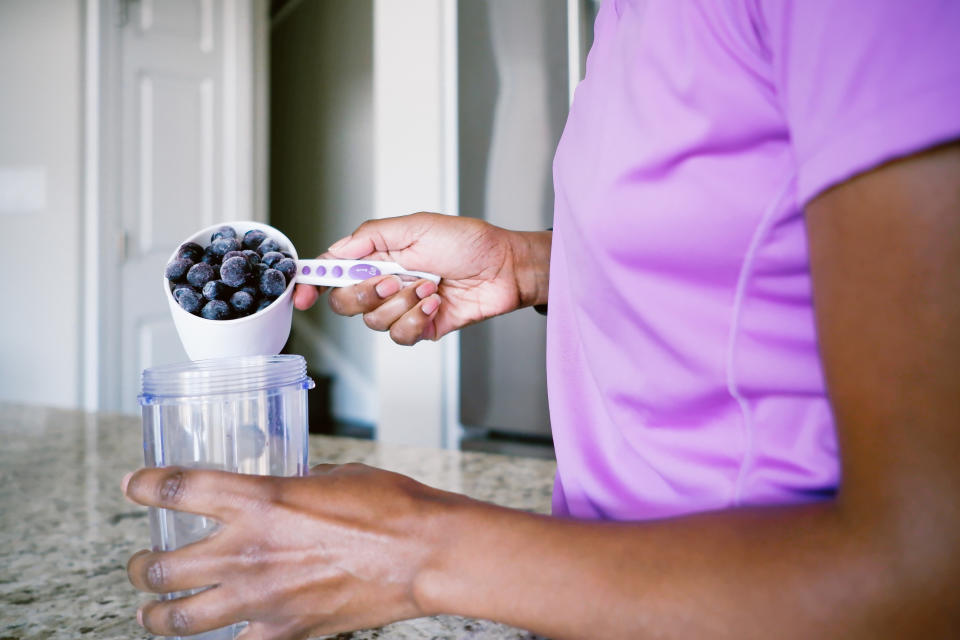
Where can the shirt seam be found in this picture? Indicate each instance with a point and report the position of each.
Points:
(743, 281)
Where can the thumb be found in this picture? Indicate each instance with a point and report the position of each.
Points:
(352, 247)
(382, 236)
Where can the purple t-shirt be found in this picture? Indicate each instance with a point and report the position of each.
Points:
(682, 357)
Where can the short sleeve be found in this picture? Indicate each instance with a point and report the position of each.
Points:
(862, 82)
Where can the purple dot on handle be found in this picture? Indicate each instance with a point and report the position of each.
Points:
(306, 270)
(337, 271)
(321, 270)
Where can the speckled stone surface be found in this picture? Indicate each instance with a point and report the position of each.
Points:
(66, 532)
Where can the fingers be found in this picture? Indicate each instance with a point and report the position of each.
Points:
(392, 309)
(417, 324)
(210, 609)
(217, 494)
(365, 296)
(305, 295)
(190, 567)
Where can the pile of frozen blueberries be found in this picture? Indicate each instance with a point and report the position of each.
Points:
(231, 278)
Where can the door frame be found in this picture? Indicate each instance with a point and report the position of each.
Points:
(244, 176)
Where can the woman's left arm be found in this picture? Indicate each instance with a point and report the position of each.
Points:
(355, 547)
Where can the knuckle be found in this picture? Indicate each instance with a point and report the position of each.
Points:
(252, 555)
(362, 295)
(337, 304)
(156, 574)
(178, 621)
(172, 488)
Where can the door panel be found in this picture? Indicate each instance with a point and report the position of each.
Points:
(176, 140)
(171, 75)
(189, 20)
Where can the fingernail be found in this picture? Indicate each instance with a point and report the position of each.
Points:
(388, 286)
(125, 482)
(430, 304)
(339, 243)
(140, 616)
(426, 289)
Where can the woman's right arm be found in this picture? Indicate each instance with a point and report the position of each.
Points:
(486, 271)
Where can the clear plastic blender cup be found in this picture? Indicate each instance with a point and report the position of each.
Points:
(245, 415)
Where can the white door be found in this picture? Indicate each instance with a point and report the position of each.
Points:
(183, 151)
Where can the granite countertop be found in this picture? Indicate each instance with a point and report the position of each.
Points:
(66, 532)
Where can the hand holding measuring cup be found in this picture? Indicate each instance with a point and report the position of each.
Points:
(266, 331)
(486, 271)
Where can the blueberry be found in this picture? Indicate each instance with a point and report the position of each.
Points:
(223, 232)
(242, 302)
(271, 258)
(189, 299)
(231, 254)
(272, 283)
(287, 267)
(222, 246)
(178, 290)
(263, 304)
(287, 254)
(252, 290)
(234, 271)
(200, 274)
(177, 269)
(267, 246)
(216, 310)
(217, 290)
(191, 251)
(210, 257)
(253, 238)
(252, 256)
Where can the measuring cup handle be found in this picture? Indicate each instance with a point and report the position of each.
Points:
(343, 273)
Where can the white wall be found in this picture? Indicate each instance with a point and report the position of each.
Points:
(40, 131)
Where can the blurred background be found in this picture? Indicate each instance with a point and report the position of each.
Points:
(126, 125)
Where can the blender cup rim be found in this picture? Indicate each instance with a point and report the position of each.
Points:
(222, 376)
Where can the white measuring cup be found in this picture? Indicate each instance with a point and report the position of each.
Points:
(266, 331)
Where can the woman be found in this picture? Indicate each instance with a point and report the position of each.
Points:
(754, 288)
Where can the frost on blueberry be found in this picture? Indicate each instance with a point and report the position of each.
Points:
(267, 246)
(226, 231)
(252, 256)
(231, 254)
(200, 274)
(271, 258)
(253, 238)
(235, 271)
(177, 268)
(287, 267)
(272, 283)
(222, 246)
(190, 299)
(216, 310)
(216, 290)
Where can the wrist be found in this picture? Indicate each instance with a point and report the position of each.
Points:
(531, 265)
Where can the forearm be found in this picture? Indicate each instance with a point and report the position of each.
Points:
(531, 262)
(804, 571)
